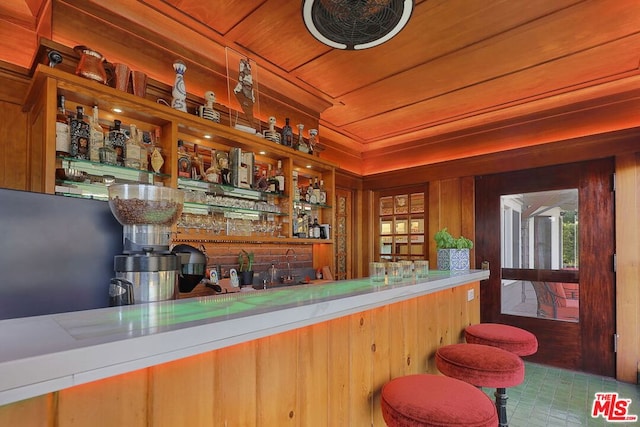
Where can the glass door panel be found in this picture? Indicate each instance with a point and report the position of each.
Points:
(539, 235)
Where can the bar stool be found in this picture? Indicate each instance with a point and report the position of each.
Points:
(483, 366)
(506, 337)
(435, 401)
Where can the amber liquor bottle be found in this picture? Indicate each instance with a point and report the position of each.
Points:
(63, 137)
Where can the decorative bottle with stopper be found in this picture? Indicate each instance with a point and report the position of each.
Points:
(179, 91)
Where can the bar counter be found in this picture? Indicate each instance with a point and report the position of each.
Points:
(275, 357)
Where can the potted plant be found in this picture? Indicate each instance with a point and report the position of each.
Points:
(245, 268)
(453, 253)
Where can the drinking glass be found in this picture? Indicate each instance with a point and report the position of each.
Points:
(394, 272)
(421, 268)
(377, 271)
(407, 269)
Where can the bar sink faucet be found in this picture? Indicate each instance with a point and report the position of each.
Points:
(289, 277)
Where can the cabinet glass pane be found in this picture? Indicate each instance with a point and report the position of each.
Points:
(386, 227)
(417, 225)
(401, 204)
(401, 226)
(417, 203)
(386, 245)
(386, 205)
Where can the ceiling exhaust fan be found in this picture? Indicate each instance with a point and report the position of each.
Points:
(355, 24)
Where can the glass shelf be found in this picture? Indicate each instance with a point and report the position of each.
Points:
(302, 204)
(225, 190)
(120, 173)
(204, 208)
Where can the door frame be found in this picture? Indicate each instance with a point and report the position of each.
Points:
(589, 344)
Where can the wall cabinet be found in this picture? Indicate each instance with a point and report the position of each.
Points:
(214, 211)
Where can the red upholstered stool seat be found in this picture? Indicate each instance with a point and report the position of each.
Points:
(435, 400)
(506, 337)
(483, 366)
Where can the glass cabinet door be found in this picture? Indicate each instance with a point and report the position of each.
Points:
(402, 226)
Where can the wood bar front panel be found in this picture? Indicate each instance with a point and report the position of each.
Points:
(326, 374)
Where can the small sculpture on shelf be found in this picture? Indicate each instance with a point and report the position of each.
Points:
(313, 140)
(179, 91)
(212, 174)
(206, 111)
(272, 134)
(301, 145)
(244, 90)
(223, 166)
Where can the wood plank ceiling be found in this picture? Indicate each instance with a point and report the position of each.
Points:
(458, 64)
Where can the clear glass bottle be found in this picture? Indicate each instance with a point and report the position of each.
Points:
(316, 228)
(315, 196)
(117, 139)
(80, 135)
(296, 189)
(323, 193)
(287, 133)
(97, 136)
(280, 176)
(132, 148)
(63, 137)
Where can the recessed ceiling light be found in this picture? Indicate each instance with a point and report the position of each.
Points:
(262, 153)
(117, 110)
(207, 137)
(309, 166)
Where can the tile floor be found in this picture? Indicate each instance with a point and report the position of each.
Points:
(556, 397)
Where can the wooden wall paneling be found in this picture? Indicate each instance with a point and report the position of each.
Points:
(360, 361)
(411, 332)
(383, 329)
(313, 376)
(14, 148)
(35, 412)
(628, 267)
(339, 379)
(116, 401)
(235, 385)
(182, 392)
(276, 373)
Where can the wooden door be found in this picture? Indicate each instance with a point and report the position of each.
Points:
(576, 332)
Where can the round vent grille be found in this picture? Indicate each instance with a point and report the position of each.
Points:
(355, 24)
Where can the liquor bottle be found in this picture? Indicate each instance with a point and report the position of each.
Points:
(96, 140)
(63, 137)
(184, 162)
(146, 148)
(156, 156)
(80, 135)
(309, 192)
(274, 185)
(316, 190)
(132, 149)
(296, 189)
(287, 133)
(323, 193)
(316, 228)
(197, 164)
(280, 176)
(107, 152)
(117, 139)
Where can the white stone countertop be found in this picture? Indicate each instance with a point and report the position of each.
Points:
(43, 354)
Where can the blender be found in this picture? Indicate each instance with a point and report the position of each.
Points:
(147, 213)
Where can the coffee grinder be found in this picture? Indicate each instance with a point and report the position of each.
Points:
(147, 213)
